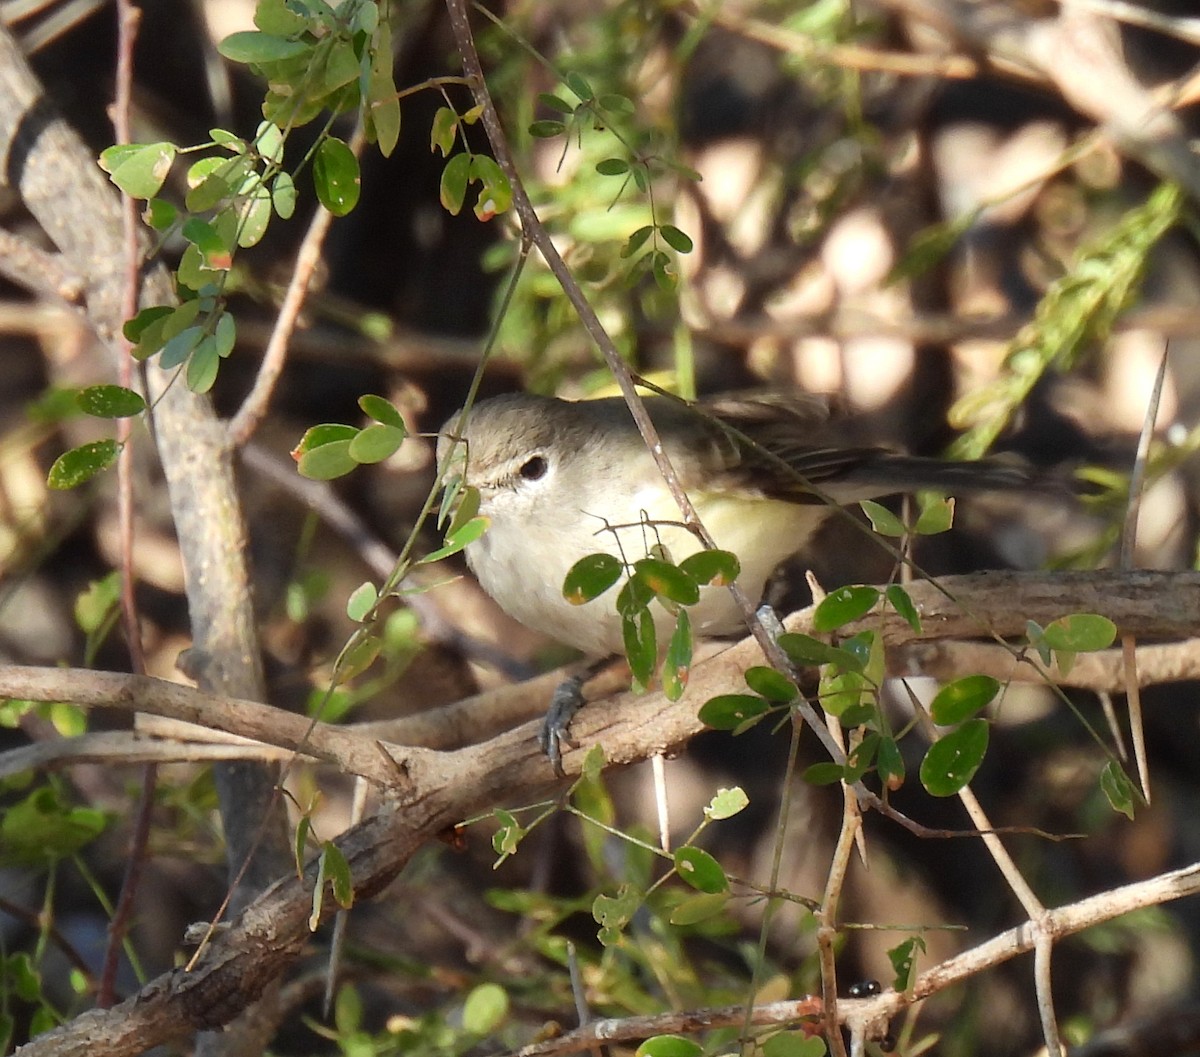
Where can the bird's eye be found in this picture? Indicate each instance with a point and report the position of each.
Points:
(534, 468)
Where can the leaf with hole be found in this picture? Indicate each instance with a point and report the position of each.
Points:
(727, 803)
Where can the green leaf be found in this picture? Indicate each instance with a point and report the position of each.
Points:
(337, 869)
(110, 401)
(937, 515)
(637, 240)
(360, 653)
(254, 216)
(590, 577)
(376, 443)
(890, 763)
(278, 19)
(730, 711)
(225, 334)
(613, 913)
(206, 193)
(341, 66)
(771, 684)
(612, 167)
(962, 698)
(825, 773)
(641, 646)
(902, 603)
(1118, 789)
(41, 828)
(205, 237)
(667, 581)
(72, 468)
(806, 651)
(700, 870)
(93, 605)
(381, 410)
(250, 46)
(453, 189)
(202, 365)
(160, 214)
(697, 908)
(904, 962)
(712, 568)
(324, 451)
(634, 597)
(554, 102)
(336, 176)
(347, 1010)
(579, 86)
(546, 129)
(844, 605)
(137, 326)
(678, 240)
(677, 664)
(794, 1044)
(669, 1046)
(726, 804)
(361, 601)
(952, 761)
(882, 520)
(180, 347)
(615, 104)
(139, 169)
(462, 537)
(495, 195)
(841, 691)
(283, 196)
(485, 1009)
(1080, 633)
(508, 835)
(443, 131)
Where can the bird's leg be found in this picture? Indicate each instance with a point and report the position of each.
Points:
(567, 700)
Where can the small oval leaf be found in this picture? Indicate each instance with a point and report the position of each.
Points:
(962, 698)
(730, 711)
(700, 870)
(699, 908)
(727, 803)
(952, 761)
(712, 568)
(844, 605)
(667, 581)
(110, 401)
(336, 176)
(590, 577)
(1080, 633)
(72, 468)
(771, 684)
